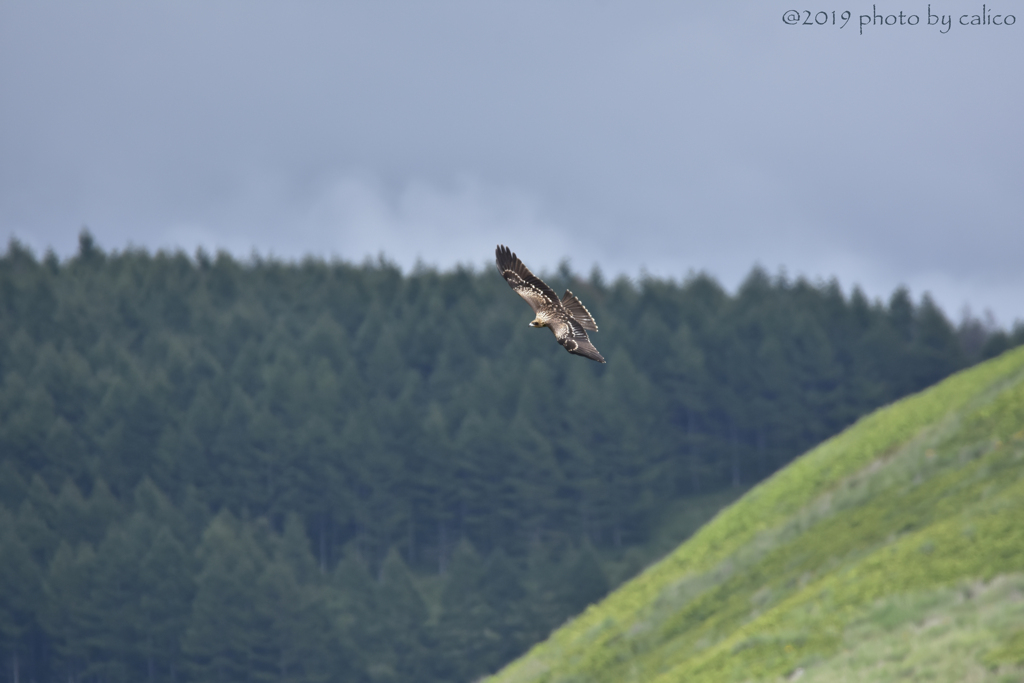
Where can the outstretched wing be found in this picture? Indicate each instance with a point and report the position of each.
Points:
(579, 311)
(542, 299)
(570, 334)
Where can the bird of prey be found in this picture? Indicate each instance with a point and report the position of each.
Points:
(568, 319)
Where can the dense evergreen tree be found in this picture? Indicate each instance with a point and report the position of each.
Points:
(222, 470)
(586, 582)
(68, 614)
(165, 572)
(403, 613)
(229, 635)
(467, 617)
(512, 621)
(20, 593)
(352, 600)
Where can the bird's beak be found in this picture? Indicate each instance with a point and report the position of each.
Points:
(533, 324)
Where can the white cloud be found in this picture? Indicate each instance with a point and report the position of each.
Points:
(353, 216)
(358, 215)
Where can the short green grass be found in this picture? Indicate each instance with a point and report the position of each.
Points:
(959, 632)
(826, 568)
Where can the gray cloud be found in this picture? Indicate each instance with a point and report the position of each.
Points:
(650, 135)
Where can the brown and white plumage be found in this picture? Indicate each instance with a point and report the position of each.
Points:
(567, 317)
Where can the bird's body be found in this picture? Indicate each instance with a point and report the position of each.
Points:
(567, 317)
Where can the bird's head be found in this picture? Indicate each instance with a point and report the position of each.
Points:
(537, 323)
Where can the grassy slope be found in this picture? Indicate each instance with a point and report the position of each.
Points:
(892, 551)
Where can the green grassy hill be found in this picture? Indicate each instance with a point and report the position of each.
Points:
(893, 551)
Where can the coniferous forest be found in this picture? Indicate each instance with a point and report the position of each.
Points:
(224, 470)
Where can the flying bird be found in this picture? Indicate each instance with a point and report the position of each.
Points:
(567, 318)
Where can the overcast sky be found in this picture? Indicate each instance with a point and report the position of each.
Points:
(644, 136)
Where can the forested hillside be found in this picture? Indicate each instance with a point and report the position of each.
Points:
(223, 470)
